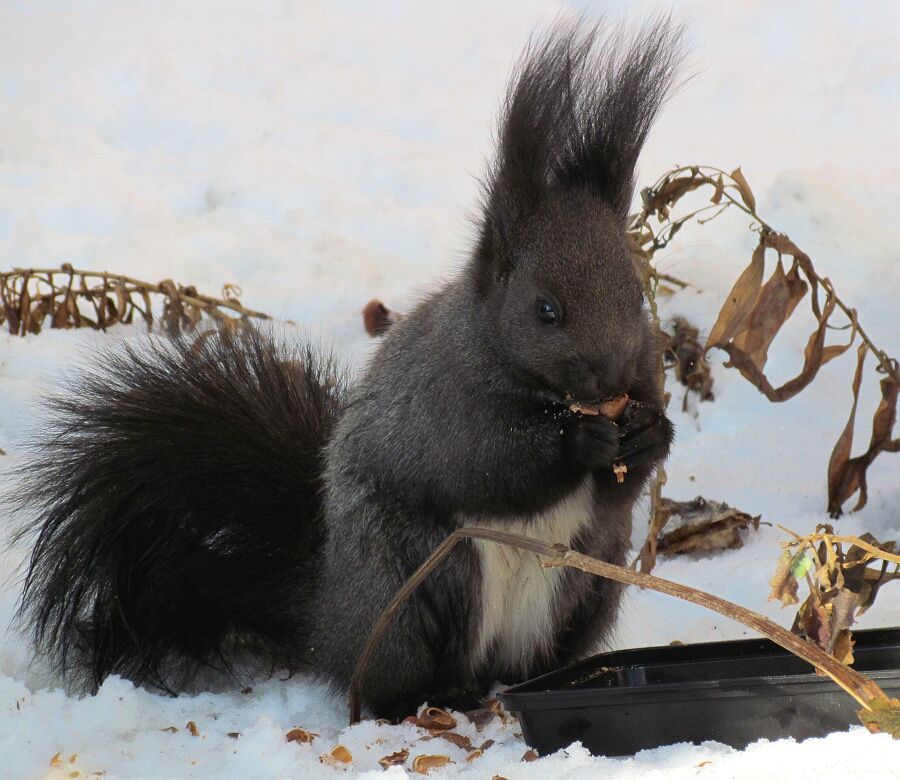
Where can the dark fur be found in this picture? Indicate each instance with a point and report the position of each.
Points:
(179, 495)
(180, 507)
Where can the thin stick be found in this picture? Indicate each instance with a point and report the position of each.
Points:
(862, 689)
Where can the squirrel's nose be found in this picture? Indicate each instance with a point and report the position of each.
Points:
(592, 380)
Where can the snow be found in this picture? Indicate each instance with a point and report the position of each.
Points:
(321, 154)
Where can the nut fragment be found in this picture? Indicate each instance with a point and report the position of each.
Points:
(394, 759)
(302, 736)
(457, 739)
(436, 719)
(610, 408)
(336, 756)
(423, 764)
(620, 470)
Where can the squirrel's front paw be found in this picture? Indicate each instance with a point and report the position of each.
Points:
(645, 436)
(591, 442)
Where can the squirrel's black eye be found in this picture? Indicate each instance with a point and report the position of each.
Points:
(546, 312)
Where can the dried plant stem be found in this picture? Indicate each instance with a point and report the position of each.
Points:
(811, 539)
(865, 691)
(672, 280)
(199, 300)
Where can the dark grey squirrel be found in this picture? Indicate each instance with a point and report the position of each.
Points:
(230, 501)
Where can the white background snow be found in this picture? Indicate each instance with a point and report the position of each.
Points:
(320, 154)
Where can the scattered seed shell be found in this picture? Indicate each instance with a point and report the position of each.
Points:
(423, 764)
(192, 727)
(436, 719)
(394, 759)
(457, 739)
(302, 736)
(337, 756)
(481, 717)
(529, 756)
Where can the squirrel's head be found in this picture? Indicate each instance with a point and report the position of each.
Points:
(562, 295)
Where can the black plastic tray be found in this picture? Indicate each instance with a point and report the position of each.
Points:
(733, 692)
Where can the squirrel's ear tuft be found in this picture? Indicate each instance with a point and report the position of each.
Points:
(577, 112)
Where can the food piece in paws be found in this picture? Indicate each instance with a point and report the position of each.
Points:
(610, 408)
(620, 470)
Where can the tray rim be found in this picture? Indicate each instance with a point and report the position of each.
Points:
(807, 683)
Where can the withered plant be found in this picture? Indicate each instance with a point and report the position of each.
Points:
(69, 298)
(751, 317)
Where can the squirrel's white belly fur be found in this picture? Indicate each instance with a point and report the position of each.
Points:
(517, 595)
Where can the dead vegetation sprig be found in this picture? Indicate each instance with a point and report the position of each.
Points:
(71, 298)
(842, 584)
(754, 312)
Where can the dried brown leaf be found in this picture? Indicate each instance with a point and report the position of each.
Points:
(776, 302)
(847, 476)
(784, 583)
(25, 308)
(702, 526)
(814, 620)
(842, 646)
(843, 481)
(815, 356)
(744, 188)
(720, 190)
(39, 311)
(683, 348)
(672, 190)
(740, 300)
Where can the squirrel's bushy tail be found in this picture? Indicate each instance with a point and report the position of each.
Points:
(176, 503)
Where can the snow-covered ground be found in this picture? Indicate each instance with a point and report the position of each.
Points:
(323, 153)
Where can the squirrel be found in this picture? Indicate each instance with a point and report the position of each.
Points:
(233, 499)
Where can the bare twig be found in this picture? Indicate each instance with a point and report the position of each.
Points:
(865, 691)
